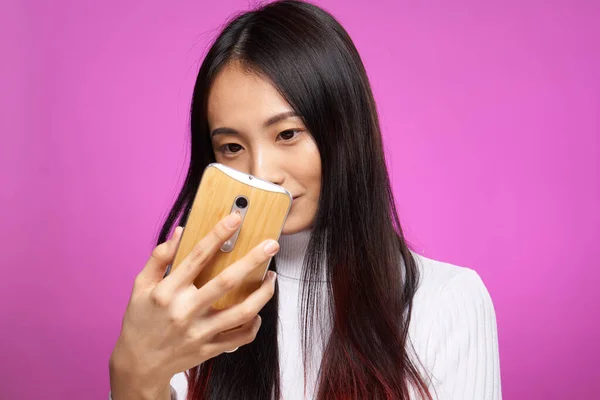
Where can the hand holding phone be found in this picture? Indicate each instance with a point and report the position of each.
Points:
(170, 325)
(263, 208)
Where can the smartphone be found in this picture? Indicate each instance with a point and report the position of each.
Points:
(263, 207)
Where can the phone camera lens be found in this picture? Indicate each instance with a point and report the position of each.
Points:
(241, 202)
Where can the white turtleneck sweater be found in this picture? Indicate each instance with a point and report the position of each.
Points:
(452, 329)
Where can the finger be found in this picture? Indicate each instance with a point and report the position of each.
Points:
(235, 274)
(240, 314)
(226, 342)
(161, 257)
(203, 251)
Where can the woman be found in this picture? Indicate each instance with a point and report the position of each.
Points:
(353, 314)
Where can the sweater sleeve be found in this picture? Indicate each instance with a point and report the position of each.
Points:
(464, 342)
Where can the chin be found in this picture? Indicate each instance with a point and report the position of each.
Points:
(289, 228)
(293, 225)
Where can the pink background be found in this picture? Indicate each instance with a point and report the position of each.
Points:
(490, 117)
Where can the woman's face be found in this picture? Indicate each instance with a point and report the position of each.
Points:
(254, 130)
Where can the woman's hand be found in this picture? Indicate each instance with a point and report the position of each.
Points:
(170, 326)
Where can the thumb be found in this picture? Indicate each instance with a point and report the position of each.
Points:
(161, 258)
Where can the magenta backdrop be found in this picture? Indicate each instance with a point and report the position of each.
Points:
(490, 118)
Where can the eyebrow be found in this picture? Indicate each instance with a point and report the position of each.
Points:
(271, 121)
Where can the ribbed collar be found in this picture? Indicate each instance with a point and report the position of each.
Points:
(293, 250)
(290, 259)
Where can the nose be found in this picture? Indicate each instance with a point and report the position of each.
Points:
(266, 167)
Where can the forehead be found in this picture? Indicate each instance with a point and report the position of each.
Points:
(241, 97)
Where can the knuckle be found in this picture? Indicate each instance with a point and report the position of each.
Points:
(198, 252)
(160, 252)
(196, 334)
(258, 256)
(137, 282)
(245, 313)
(250, 336)
(226, 282)
(221, 232)
(253, 332)
(160, 298)
(178, 319)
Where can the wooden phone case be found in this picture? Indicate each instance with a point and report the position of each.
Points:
(267, 210)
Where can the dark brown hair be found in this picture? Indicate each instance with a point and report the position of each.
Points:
(311, 60)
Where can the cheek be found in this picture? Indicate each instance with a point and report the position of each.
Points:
(311, 166)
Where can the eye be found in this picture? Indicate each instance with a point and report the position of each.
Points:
(230, 148)
(289, 134)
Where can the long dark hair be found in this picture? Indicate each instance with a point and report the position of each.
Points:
(311, 60)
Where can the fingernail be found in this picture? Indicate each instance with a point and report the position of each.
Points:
(232, 221)
(178, 230)
(272, 275)
(271, 247)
